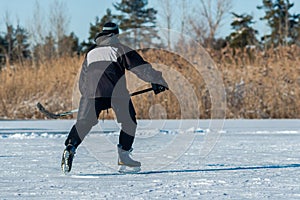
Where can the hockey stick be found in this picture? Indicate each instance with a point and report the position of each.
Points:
(51, 115)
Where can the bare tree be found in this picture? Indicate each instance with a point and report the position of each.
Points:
(212, 13)
(8, 38)
(167, 13)
(183, 15)
(38, 26)
(48, 31)
(59, 22)
(198, 28)
(38, 29)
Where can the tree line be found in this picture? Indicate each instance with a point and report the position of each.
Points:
(138, 22)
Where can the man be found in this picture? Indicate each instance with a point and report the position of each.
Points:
(102, 85)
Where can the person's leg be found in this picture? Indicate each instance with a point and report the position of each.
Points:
(87, 117)
(126, 116)
(79, 130)
(89, 110)
(125, 141)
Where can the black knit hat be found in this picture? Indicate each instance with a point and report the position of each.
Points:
(110, 27)
(107, 29)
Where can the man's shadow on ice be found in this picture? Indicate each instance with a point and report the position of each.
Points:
(218, 168)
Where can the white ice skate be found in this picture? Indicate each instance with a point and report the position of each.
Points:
(126, 163)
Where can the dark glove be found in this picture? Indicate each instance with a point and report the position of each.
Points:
(157, 88)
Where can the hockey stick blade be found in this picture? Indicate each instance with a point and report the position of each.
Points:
(51, 115)
(43, 110)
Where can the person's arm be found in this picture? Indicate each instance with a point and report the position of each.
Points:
(142, 69)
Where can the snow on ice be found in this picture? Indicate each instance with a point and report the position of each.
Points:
(249, 159)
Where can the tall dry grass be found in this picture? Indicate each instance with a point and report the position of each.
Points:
(258, 84)
(23, 86)
(262, 84)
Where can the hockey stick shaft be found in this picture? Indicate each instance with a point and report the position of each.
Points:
(141, 92)
(51, 115)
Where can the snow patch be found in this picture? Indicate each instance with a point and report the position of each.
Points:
(22, 136)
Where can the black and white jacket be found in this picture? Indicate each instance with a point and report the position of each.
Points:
(103, 70)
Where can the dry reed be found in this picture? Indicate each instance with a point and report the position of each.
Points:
(258, 84)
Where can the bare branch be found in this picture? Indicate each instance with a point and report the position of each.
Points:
(38, 27)
(59, 20)
(167, 11)
(212, 16)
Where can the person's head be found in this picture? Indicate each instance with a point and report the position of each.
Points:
(108, 28)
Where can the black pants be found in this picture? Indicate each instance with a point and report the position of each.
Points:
(88, 113)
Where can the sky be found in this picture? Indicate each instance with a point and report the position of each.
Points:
(84, 12)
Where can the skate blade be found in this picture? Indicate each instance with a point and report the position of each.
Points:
(64, 163)
(129, 170)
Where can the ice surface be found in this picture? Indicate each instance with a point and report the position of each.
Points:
(253, 159)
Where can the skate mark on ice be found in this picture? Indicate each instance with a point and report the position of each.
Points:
(262, 167)
(9, 156)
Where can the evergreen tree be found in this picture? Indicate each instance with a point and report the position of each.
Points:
(14, 45)
(243, 34)
(3, 47)
(137, 21)
(295, 29)
(9, 38)
(21, 44)
(285, 27)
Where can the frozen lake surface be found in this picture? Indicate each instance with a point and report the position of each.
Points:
(246, 159)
